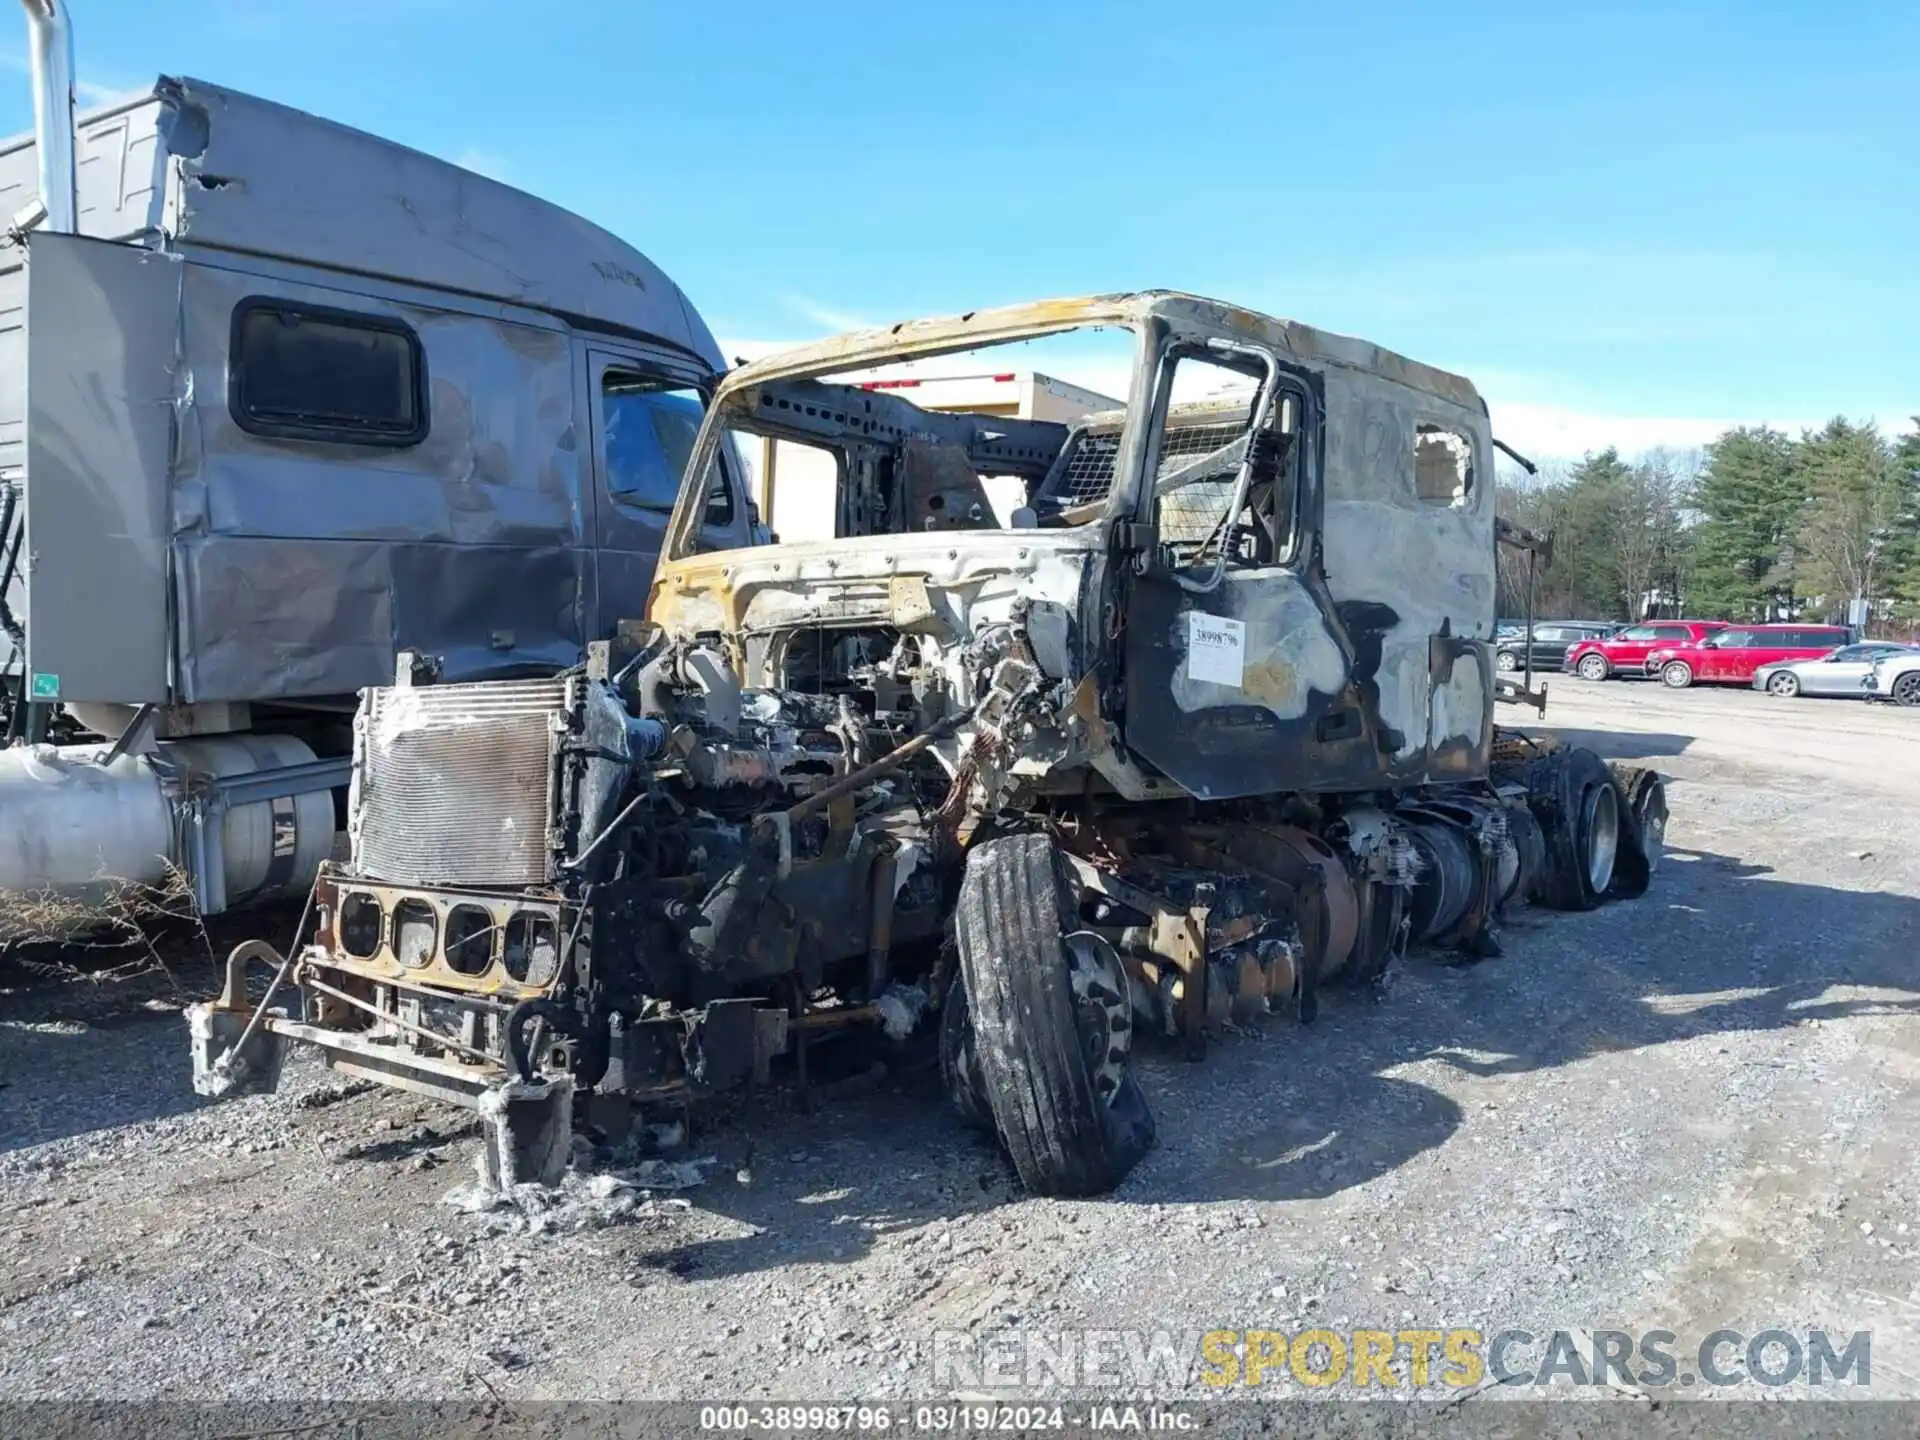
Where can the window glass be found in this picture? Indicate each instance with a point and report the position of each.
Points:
(1667, 632)
(308, 373)
(1442, 465)
(649, 428)
(1639, 632)
(1735, 640)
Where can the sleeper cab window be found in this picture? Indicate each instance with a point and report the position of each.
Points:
(1442, 466)
(308, 372)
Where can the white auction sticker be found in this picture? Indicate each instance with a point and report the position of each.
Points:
(1216, 649)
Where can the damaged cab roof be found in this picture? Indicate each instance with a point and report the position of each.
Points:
(974, 328)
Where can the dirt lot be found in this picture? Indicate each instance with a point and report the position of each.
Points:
(1693, 1111)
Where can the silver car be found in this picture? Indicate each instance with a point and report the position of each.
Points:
(1839, 672)
(1895, 677)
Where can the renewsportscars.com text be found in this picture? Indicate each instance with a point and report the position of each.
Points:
(1409, 1358)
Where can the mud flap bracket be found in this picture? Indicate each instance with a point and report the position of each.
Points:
(528, 1132)
(254, 1069)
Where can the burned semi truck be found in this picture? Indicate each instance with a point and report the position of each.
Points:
(1201, 727)
(280, 400)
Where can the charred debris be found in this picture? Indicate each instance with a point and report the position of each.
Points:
(1191, 722)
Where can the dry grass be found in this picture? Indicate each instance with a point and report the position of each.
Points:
(124, 931)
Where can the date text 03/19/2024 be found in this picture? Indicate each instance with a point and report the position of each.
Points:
(944, 1417)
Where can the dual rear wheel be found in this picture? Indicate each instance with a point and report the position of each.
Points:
(1604, 826)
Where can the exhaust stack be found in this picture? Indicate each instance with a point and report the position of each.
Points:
(50, 58)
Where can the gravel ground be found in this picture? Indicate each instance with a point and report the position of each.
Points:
(1686, 1112)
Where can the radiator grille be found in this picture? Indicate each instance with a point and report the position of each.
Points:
(450, 783)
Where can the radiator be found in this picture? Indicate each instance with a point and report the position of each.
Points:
(451, 782)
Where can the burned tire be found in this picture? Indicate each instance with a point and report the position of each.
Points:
(1676, 675)
(1594, 667)
(1577, 802)
(960, 1061)
(1529, 852)
(1073, 1122)
(1642, 798)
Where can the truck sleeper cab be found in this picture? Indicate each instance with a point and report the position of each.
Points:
(289, 401)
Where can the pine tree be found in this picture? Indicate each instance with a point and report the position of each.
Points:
(1591, 516)
(1901, 555)
(1742, 545)
(1852, 506)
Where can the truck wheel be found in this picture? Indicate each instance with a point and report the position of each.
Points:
(1594, 667)
(1576, 800)
(960, 1060)
(1052, 1023)
(1529, 855)
(1676, 675)
(1642, 797)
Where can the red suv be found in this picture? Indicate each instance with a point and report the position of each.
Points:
(1730, 656)
(1625, 652)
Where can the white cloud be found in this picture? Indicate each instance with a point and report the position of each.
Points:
(740, 351)
(827, 318)
(483, 162)
(87, 94)
(1549, 432)
(1540, 431)
(93, 96)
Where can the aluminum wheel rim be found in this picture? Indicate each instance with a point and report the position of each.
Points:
(1593, 668)
(1783, 684)
(1603, 838)
(1653, 834)
(1102, 1009)
(1907, 689)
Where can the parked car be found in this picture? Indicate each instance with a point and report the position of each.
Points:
(1625, 652)
(1839, 672)
(1895, 677)
(1731, 656)
(1551, 641)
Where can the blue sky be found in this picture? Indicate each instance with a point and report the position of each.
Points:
(1628, 226)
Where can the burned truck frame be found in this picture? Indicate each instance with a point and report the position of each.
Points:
(278, 400)
(1202, 726)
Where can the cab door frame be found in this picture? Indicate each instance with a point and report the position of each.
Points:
(628, 539)
(1243, 684)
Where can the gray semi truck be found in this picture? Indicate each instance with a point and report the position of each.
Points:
(280, 400)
